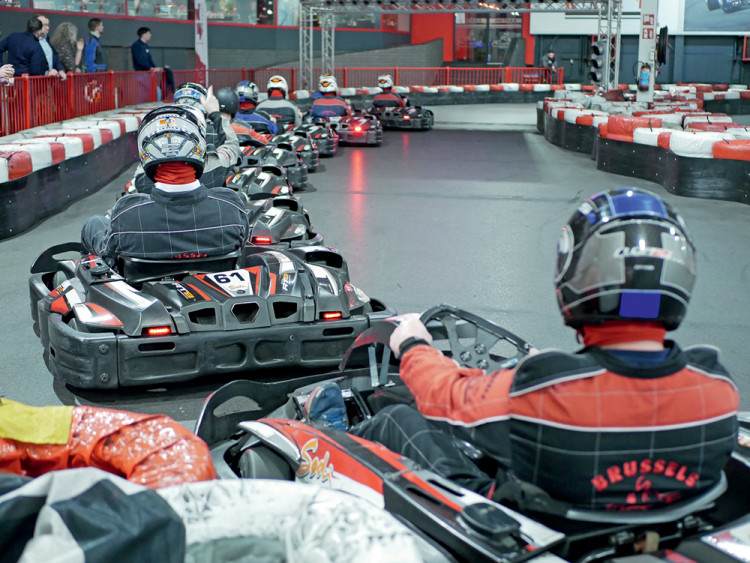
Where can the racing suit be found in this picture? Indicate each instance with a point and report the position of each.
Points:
(599, 429)
(172, 221)
(257, 121)
(244, 129)
(283, 110)
(388, 99)
(220, 158)
(329, 106)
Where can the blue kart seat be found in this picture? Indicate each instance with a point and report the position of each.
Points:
(139, 270)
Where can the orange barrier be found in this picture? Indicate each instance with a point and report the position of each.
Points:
(738, 149)
(38, 100)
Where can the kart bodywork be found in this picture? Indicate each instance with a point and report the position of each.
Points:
(301, 145)
(728, 6)
(296, 170)
(272, 440)
(358, 129)
(176, 320)
(410, 117)
(323, 135)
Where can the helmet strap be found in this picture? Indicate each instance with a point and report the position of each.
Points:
(175, 173)
(618, 332)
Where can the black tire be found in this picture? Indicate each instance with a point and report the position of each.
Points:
(713, 4)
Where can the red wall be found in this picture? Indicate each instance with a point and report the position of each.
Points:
(428, 27)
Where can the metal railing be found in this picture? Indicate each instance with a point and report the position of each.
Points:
(39, 100)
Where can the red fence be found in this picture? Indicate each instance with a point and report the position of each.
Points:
(39, 100)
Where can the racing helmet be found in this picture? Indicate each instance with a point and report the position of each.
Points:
(385, 81)
(229, 101)
(625, 254)
(190, 93)
(327, 84)
(247, 91)
(277, 82)
(172, 133)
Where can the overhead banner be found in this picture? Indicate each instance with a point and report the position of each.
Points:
(201, 40)
(731, 16)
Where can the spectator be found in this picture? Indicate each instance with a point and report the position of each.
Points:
(141, 55)
(54, 66)
(26, 54)
(96, 57)
(550, 63)
(68, 48)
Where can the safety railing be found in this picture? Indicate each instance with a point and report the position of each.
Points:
(39, 100)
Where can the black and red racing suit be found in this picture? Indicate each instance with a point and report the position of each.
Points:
(591, 429)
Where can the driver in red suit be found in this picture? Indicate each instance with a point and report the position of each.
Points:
(630, 421)
(387, 98)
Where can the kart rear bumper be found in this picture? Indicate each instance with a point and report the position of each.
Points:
(369, 137)
(328, 147)
(397, 123)
(297, 176)
(107, 360)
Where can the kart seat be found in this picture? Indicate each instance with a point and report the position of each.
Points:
(139, 270)
(670, 513)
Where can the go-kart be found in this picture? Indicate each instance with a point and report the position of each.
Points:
(154, 321)
(276, 216)
(301, 145)
(409, 117)
(361, 128)
(296, 170)
(728, 6)
(323, 135)
(273, 441)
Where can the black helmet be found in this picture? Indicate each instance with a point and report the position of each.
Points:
(229, 101)
(173, 133)
(625, 255)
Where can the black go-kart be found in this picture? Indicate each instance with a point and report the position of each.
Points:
(301, 145)
(271, 440)
(276, 216)
(409, 117)
(323, 135)
(728, 6)
(296, 170)
(361, 128)
(154, 321)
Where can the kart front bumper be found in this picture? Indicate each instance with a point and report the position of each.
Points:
(107, 360)
(400, 123)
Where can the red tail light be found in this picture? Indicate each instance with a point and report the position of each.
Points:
(358, 128)
(261, 240)
(333, 315)
(159, 331)
(407, 117)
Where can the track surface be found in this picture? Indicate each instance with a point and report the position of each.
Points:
(467, 214)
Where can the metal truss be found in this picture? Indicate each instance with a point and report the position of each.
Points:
(608, 25)
(608, 11)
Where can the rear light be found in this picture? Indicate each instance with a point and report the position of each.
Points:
(261, 240)
(358, 128)
(407, 117)
(333, 315)
(159, 331)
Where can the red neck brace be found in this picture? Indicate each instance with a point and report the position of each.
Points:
(175, 173)
(276, 94)
(617, 332)
(247, 105)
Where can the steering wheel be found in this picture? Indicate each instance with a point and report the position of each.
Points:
(471, 338)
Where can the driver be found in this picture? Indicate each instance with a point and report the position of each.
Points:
(329, 104)
(387, 98)
(248, 96)
(277, 105)
(180, 216)
(630, 421)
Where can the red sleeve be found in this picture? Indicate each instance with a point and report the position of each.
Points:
(446, 391)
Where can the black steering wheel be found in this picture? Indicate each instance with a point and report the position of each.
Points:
(474, 341)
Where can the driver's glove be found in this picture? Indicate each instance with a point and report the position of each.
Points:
(410, 332)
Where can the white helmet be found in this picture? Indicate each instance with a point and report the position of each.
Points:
(385, 81)
(247, 91)
(327, 83)
(277, 82)
(173, 133)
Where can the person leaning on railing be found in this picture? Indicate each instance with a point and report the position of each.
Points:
(69, 48)
(6, 74)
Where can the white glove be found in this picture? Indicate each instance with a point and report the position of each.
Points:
(210, 103)
(409, 327)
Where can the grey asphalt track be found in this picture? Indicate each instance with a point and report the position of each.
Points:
(467, 214)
